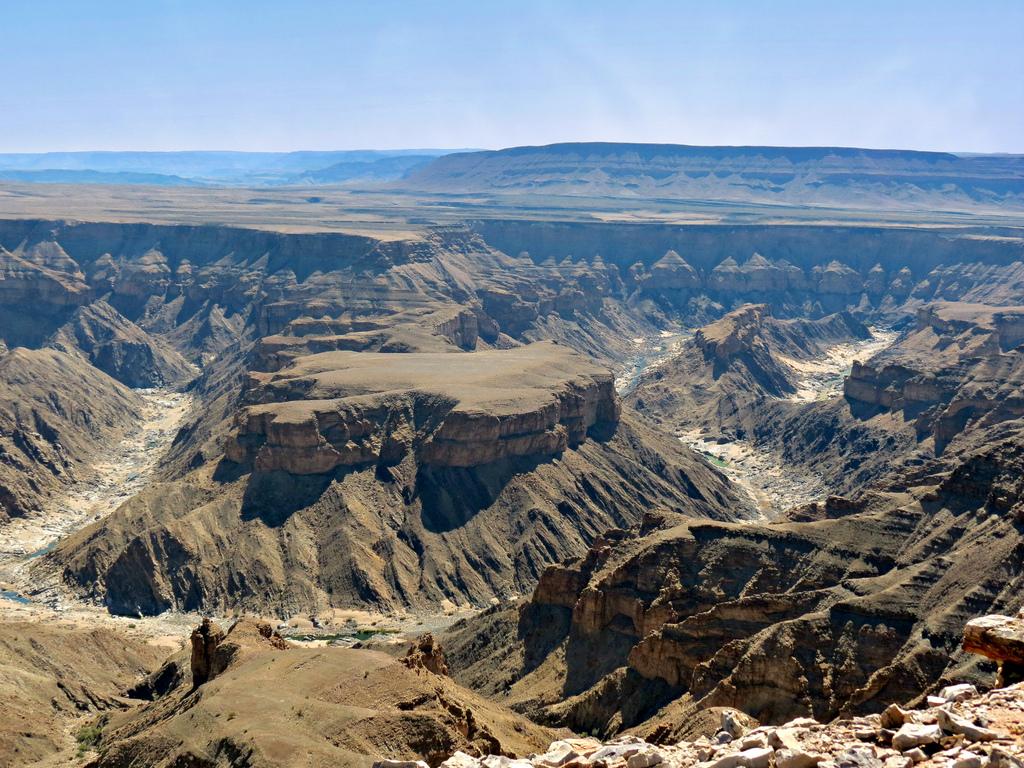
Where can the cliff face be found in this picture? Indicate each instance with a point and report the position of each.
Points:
(778, 621)
(349, 409)
(733, 371)
(958, 369)
(408, 534)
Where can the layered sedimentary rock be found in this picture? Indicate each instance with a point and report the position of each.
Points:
(842, 176)
(819, 618)
(56, 413)
(345, 409)
(383, 535)
(960, 367)
(726, 375)
(121, 349)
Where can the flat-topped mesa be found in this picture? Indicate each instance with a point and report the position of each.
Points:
(339, 409)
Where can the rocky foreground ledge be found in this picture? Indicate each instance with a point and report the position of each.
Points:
(960, 728)
(963, 729)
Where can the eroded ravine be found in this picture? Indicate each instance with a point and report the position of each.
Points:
(112, 479)
(773, 485)
(651, 352)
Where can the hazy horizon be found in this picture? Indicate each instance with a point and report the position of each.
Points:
(230, 76)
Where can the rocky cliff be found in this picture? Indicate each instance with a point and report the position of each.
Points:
(57, 413)
(957, 369)
(727, 376)
(781, 620)
(346, 409)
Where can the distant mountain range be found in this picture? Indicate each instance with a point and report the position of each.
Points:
(208, 168)
(820, 176)
(838, 176)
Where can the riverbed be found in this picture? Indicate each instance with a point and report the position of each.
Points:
(772, 485)
(651, 352)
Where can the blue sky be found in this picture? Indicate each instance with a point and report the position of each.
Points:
(254, 75)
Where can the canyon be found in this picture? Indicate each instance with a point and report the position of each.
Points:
(633, 463)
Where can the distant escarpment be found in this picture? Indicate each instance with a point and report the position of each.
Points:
(700, 271)
(783, 620)
(842, 176)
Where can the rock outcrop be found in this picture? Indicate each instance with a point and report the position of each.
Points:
(121, 349)
(1000, 638)
(426, 653)
(726, 377)
(57, 413)
(971, 730)
(271, 703)
(447, 410)
(960, 365)
(779, 620)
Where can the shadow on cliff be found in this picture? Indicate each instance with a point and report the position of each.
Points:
(273, 497)
(452, 496)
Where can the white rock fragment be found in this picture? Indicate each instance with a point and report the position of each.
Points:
(461, 760)
(756, 757)
(645, 759)
(501, 761)
(952, 723)
(916, 754)
(401, 764)
(558, 754)
(912, 735)
(732, 760)
(795, 758)
(754, 739)
(959, 692)
(615, 752)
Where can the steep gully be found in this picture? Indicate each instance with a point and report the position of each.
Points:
(120, 473)
(773, 485)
